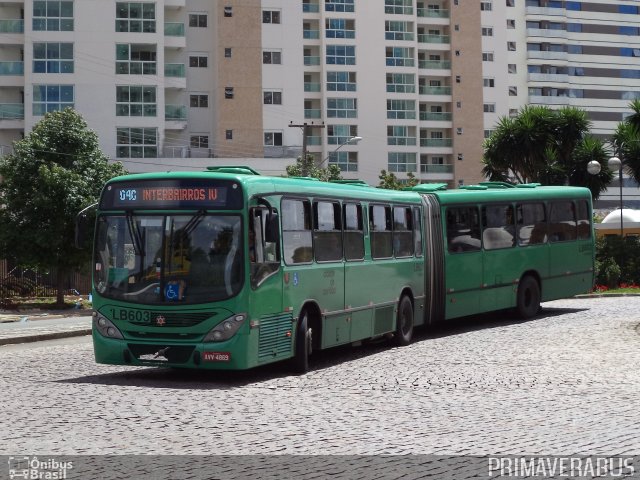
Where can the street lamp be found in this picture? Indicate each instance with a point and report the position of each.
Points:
(349, 141)
(616, 164)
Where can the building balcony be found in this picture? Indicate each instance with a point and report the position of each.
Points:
(425, 90)
(312, 113)
(314, 140)
(311, 60)
(435, 116)
(549, 77)
(436, 142)
(175, 112)
(310, 7)
(403, 141)
(175, 76)
(11, 111)
(311, 34)
(546, 33)
(174, 35)
(432, 13)
(540, 55)
(549, 100)
(12, 68)
(427, 38)
(311, 86)
(175, 4)
(11, 26)
(434, 64)
(545, 11)
(436, 168)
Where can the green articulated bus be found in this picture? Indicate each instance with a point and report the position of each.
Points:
(229, 269)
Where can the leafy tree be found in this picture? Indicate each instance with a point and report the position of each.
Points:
(552, 147)
(626, 141)
(308, 168)
(389, 181)
(52, 174)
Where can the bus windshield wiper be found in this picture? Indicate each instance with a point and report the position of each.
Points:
(193, 223)
(135, 234)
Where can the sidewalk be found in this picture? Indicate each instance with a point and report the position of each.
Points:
(35, 326)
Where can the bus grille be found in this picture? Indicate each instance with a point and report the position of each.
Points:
(276, 334)
(176, 319)
(174, 353)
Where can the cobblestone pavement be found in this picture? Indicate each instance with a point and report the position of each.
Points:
(30, 329)
(564, 383)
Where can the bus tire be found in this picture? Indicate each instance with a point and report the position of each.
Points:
(404, 322)
(302, 345)
(528, 301)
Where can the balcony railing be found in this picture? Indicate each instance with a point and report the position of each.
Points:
(11, 68)
(310, 7)
(11, 111)
(11, 26)
(314, 140)
(174, 70)
(312, 60)
(311, 86)
(435, 142)
(435, 64)
(435, 116)
(424, 90)
(432, 13)
(312, 34)
(175, 112)
(312, 113)
(174, 29)
(444, 168)
(410, 141)
(427, 38)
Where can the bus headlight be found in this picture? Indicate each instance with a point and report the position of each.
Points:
(105, 326)
(225, 329)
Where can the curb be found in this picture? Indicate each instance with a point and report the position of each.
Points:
(607, 295)
(44, 336)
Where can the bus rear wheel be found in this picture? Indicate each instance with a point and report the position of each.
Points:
(528, 302)
(404, 322)
(302, 345)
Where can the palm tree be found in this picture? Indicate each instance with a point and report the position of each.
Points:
(626, 141)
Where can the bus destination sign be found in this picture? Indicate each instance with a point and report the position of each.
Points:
(162, 194)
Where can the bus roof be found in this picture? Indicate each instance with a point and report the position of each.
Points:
(256, 184)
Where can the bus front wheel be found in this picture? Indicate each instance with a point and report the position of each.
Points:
(300, 360)
(404, 322)
(528, 303)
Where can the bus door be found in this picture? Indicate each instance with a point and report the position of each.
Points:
(463, 261)
(502, 262)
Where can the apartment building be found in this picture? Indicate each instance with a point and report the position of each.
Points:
(400, 85)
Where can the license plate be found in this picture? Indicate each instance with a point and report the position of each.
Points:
(216, 356)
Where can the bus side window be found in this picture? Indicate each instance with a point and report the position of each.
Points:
(562, 221)
(498, 228)
(327, 233)
(353, 232)
(380, 228)
(402, 232)
(584, 225)
(463, 229)
(296, 231)
(532, 224)
(417, 231)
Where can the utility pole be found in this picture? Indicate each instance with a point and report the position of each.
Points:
(306, 131)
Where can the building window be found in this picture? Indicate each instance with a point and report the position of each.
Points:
(487, 32)
(397, 30)
(488, 82)
(53, 57)
(511, 3)
(199, 141)
(487, 56)
(135, 59)
(228, 134)
(399, 57)
(342, 108)
(51, 98)
(272, 97)
(513, 91)
(53, 15)
(458, 78)
(346, 161)
(401, 109)
(198, 20)
(228, 11)
(398, 7)
(511, 46)
(271, 16)
(198, 100)
(459, 130)
(135, 17)
(228, 93)
(272, 57)
(136, 142)
(227, 53)
(340, 28)
(489, 107)
(401, 162)
(198, 61)
(457, 53)
(338, 5)
(458, 104)
(401, 83)
(486, 6)
(511, 23)
(339, 134)
(401, 135)
(460, 156)
(512, 68)
(273, 139)
(341, 55)
(136, 101)
(341, 81)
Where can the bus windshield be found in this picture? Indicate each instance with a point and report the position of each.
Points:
(168, 258)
